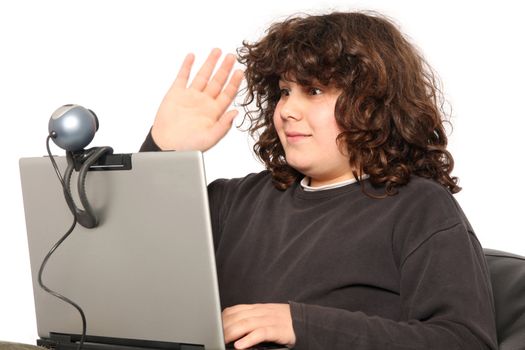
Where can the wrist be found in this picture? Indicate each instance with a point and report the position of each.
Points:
(158, 140)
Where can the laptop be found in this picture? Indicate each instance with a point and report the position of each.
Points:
(145, 277)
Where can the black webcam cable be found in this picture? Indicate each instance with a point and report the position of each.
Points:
(69, 199)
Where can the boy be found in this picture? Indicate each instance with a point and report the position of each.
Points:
(351, 238)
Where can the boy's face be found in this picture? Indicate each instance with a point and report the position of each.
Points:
(305, 122)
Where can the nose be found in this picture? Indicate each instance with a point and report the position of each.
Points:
(290, 107)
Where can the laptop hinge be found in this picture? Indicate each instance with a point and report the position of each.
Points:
(60, 341)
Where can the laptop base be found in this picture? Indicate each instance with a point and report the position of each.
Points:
(59, 341)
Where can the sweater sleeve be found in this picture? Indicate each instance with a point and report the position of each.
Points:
(446, 304)
(149, 144)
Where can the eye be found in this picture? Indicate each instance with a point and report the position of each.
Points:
(284, 91)
(314, 91)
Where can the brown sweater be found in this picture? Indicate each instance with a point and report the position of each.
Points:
(403, 272)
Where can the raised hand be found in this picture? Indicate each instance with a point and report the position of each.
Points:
(252, 324)
(195, 117)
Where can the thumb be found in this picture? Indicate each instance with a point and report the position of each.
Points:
(224, 124)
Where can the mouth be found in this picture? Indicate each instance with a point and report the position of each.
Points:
(296, 136)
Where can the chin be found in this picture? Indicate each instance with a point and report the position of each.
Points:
(301, 167)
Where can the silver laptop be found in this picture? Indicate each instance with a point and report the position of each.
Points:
(147, 273)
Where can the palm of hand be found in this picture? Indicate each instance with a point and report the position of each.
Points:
(195, 117)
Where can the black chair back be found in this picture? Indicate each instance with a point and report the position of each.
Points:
(507, 274)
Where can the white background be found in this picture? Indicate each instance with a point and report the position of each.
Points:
(119, 57)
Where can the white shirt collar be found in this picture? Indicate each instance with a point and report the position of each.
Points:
(306, 180)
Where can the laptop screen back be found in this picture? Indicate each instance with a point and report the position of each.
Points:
(147, 271)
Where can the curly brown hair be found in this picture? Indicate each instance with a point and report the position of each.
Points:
(390, 109)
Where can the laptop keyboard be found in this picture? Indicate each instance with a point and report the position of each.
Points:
(262, 346)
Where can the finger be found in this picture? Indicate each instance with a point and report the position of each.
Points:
(223, 125)
(255, 337)
(244, 326)
(216, 84)
(239, 312)
(227, 95)
(184, 73)
(233, 314)
(236, 308)
(203, 75)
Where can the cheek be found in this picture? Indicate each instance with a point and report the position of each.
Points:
(278, 126)
(326, 124)
(277, 121)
